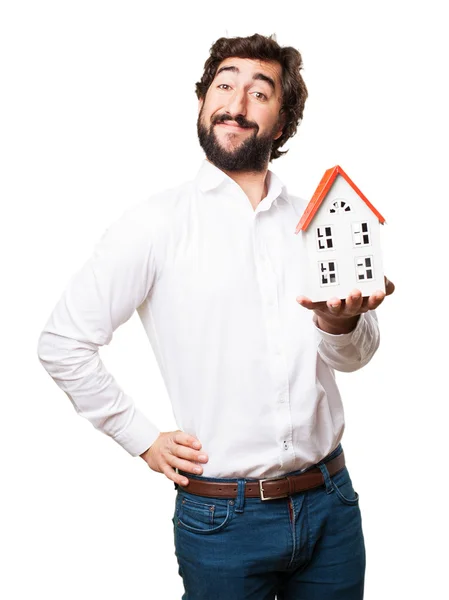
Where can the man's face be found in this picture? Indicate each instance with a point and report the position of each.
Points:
(239, 118)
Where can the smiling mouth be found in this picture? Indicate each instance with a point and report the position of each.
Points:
(235, 126)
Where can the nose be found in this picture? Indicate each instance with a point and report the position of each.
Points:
(237, 103)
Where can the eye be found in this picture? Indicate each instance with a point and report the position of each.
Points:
(260, 96)
(223, 85)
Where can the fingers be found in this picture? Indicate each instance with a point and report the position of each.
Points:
(376, 299)
(352, 306)
(334, 305)
(303, 301)
(183, 458)
(176, 450)
(307, 303)
(353, 303)
(180, 437)
(389, 287)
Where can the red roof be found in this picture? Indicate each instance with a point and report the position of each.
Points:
(321, 192)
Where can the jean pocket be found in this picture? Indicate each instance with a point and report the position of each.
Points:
(342, 485)
(203, 515)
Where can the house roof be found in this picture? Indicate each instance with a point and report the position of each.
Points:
(321, 192)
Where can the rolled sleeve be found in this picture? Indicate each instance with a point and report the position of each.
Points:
(350, 351)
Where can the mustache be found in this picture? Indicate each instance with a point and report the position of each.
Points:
(239, 119)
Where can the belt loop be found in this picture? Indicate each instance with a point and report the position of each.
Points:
(240, 502)
(327, 479)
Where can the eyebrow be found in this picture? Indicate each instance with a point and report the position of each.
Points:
(256, 76)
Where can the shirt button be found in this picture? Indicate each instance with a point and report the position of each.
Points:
(285, 446)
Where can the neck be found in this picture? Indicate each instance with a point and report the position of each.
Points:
(253, 183)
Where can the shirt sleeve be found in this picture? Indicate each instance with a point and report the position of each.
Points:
(101, 296)
(350, 351)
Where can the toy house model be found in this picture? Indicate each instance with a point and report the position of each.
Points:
(340, 233)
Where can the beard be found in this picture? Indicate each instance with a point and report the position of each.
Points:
(253, 154)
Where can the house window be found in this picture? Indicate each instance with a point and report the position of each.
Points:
(364, 268)
(360, 234)
(328, 273)
(339, 206)
(324, 238)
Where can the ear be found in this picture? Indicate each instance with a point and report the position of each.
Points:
(281, 121)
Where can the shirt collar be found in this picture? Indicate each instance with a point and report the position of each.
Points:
(210, 177)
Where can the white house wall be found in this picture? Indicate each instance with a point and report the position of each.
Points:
(343, 252)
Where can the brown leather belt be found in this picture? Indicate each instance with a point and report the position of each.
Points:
(266, 489)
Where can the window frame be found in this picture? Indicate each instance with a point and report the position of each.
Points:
(331, 272)
(325, 237)
(361, 233)
(366, 268)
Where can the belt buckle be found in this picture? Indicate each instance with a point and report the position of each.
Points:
(262, 496)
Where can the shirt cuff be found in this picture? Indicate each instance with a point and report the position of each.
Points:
(342, 339)
(139, 435)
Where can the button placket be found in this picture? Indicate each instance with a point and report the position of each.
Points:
(269, 289)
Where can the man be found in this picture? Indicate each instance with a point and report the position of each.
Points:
(265, 503)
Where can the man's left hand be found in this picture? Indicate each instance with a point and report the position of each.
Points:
(341, 316)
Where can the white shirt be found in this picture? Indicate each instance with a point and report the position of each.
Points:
(214, 283)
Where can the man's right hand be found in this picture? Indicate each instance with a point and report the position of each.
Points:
(175, 449)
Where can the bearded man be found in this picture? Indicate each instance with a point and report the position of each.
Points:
(265, 505)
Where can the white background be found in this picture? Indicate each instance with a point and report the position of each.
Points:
(98, 112)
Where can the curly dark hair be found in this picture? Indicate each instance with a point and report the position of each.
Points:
(260, 47)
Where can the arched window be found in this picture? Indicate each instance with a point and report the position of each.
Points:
(339, 206)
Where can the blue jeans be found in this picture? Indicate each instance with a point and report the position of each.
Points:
(308, 546)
